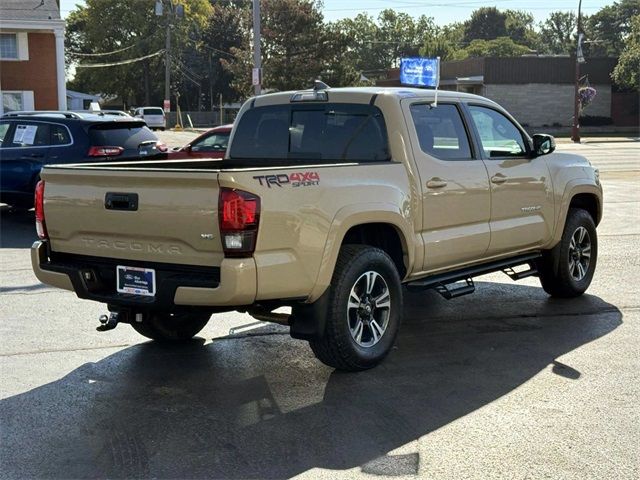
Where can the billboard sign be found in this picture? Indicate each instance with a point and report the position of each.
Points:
(420, 72)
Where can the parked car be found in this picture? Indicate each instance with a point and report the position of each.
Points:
(211, 144)
(30, 140)
(154, 117)
(328, 202)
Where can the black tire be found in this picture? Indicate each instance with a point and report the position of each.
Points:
(171, 327)
(557, 275)
(338, 347)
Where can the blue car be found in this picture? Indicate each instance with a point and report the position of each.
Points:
(30, 140)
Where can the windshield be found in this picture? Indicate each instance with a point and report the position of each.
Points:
(216, 142)
(152, 111)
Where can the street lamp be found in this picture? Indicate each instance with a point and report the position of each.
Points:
(575, 132)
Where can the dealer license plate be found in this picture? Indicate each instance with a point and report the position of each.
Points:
(136, 280)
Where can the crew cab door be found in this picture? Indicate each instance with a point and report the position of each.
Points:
(522, 209)
(455, 193)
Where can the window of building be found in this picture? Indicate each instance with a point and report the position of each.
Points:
(441, 132)
(498, 135)
(9, 46)
(12, 101)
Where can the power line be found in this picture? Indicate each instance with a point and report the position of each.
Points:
(122, 62)
(78, 54)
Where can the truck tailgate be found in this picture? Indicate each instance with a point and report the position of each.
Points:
(173, 219)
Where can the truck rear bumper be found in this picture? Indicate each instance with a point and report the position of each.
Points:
(233, 284)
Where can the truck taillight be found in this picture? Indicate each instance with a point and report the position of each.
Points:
(105, 151)
(41, 226)
(239, 215)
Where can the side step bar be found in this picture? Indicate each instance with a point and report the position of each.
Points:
(442, 282)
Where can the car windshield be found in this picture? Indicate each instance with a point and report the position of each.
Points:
(216, 142)
(152, 111)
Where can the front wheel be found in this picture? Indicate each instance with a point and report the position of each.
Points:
(567, 270)
(364, 311)
(171, 327)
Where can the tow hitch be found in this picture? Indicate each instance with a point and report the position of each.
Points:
(108, 322)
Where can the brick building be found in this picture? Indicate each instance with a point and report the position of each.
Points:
(539, 90)
(31, 56)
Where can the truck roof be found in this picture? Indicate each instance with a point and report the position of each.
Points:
(364, 94)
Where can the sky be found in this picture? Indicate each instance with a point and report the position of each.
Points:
(442, 11)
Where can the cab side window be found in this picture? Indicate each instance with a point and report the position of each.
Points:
(441, 132)
(498, 135)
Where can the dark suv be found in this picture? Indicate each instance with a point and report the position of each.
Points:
(29, 140)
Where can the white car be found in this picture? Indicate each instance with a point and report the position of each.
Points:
(154, 117)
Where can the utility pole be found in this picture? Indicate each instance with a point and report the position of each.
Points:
(575, 132)
(167, 64)
(171, 12)
(257, 63)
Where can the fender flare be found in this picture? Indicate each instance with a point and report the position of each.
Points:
(354, 215)
(573, 188)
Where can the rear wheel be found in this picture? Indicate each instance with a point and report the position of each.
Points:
(167, 327)
(364, 312)
(567, 270)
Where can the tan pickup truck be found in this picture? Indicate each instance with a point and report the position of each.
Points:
(328, 202)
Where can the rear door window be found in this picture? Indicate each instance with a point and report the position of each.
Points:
(441, 132)
(331, 132)
(29, 134)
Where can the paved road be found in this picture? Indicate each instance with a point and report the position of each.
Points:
(506, 383)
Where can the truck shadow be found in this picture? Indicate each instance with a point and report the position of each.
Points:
(260, 406)
(17, 228)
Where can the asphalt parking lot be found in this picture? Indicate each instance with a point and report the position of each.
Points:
(505, 383)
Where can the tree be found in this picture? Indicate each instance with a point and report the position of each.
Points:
(556, 33)
(131, 30)
(486, 23)
(607, 29)
(627, 72)
(444, 42)
(295, 46)
(499, 47)
(520, 26)
(226, 30)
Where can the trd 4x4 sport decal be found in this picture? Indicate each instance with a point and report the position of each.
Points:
(298, 179)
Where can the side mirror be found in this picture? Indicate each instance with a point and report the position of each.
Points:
(543, 144)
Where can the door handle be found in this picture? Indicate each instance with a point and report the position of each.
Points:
(498, 179)
(32, 156)
(436, 182)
